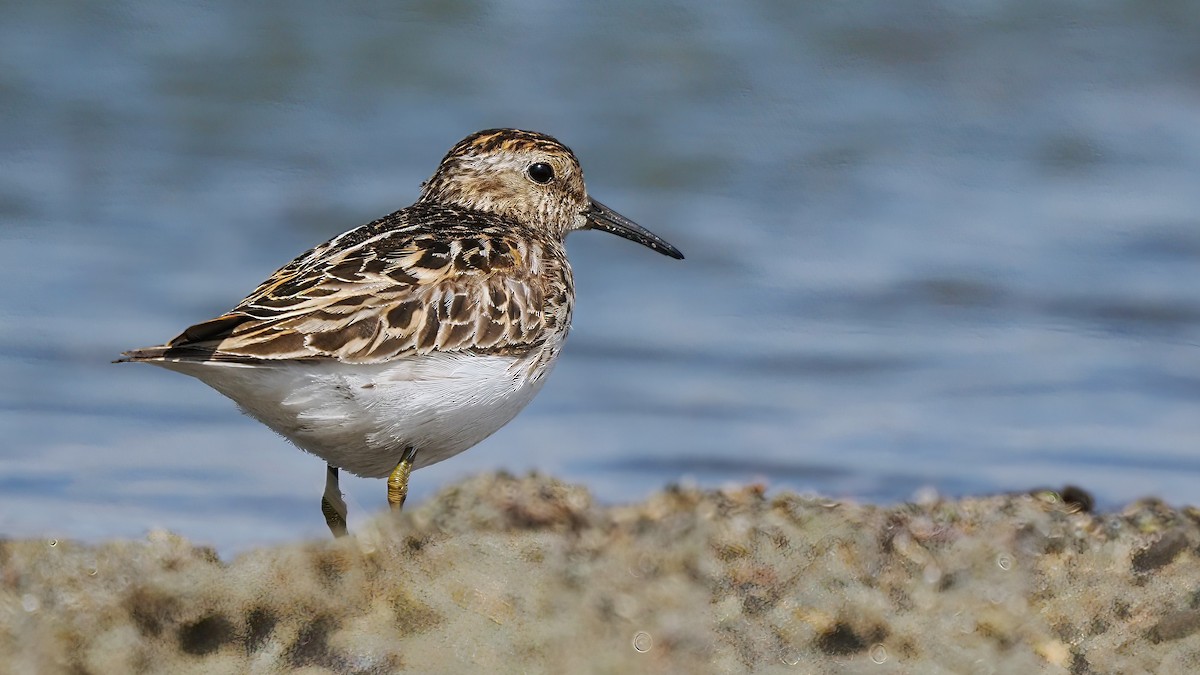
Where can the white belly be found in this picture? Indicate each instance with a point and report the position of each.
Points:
(361, 417)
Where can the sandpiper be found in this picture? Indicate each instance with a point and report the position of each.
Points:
(407, 340)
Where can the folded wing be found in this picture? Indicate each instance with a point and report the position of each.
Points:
(389, 295)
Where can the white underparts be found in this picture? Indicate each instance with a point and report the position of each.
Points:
(361, 417)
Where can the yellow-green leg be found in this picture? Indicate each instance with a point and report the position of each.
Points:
(332, 504)
(398, 480)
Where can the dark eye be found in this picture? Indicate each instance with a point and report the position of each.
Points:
(541, 173)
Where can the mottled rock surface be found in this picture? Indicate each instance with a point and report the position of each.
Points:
(503, 574)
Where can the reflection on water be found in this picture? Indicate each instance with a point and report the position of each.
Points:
(949, 245)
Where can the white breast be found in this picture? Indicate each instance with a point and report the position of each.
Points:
(361, 417)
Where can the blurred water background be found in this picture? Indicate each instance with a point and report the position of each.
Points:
(930, 245)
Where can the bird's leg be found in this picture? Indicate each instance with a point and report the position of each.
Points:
(332, 504)
(398, 480)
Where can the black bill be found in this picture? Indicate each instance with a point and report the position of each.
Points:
(603, 218)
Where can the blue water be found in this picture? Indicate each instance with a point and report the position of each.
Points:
(932, 245)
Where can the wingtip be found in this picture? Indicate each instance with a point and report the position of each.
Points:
(144, 354)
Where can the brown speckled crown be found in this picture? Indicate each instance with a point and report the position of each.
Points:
(490, 141)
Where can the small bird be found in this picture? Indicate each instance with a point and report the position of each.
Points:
(405, 341)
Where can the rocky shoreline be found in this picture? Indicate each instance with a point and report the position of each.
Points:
(505, 574)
